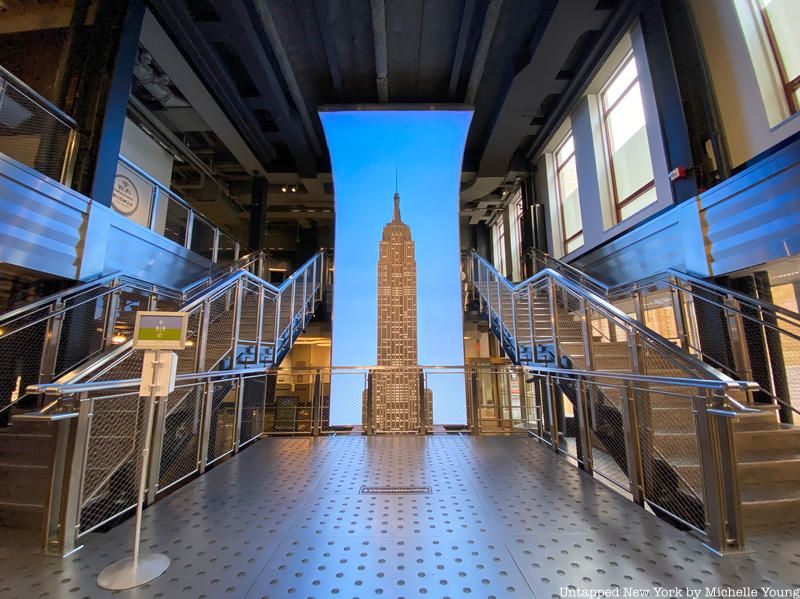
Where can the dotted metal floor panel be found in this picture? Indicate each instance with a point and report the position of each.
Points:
(505, 518)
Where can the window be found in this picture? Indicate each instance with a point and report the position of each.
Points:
(499, 238)
(569, 206)
(628, 149)
(780, 22)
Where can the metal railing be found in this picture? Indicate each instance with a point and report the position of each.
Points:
(51, 337)
(598, 420)
(739, 335)
(169, 215)
(34, 132)
(239, 321)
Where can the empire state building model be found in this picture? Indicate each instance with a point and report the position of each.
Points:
(396, 393)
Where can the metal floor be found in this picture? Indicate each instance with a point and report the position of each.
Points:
(506, 518)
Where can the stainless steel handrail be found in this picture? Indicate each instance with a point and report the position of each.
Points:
(663, 276)
(55, 390)
(43, 102)
(610, 311)
(192, 213)
(221, 286)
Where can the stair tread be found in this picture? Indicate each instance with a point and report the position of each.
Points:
(33, 507)
(769, 492)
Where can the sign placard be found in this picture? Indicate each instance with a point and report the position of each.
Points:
(160, 330)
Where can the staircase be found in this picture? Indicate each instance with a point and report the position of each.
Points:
(554, 321)
(237, 322)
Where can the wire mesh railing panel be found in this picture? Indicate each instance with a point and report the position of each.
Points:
(289, 403)
(667, 436)
(226, 249)
(180, 447)
(20, 361)
(82, 332)
(113, 458)
(563, 407)
(187, 358)
(222, 420)
(203, 237)
(176, 220)
(345, 407)
(445, 394)
(220, 328)
(254, 394)
(605, 421)
(30, 133)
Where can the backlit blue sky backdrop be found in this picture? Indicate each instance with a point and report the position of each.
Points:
(427, 147)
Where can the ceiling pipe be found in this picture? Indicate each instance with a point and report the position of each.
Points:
(381, 54)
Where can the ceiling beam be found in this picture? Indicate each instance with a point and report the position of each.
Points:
(461, 46)
(285, 65)
(177, 20)
(381, 52)
(482, 53)
(324, 25)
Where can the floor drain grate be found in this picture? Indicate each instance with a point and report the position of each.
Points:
(394, 490)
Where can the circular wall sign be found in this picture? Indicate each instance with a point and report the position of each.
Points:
(125, 198)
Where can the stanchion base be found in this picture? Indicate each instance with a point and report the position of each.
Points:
(125, 574)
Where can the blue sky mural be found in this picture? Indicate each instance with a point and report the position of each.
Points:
(426, 148)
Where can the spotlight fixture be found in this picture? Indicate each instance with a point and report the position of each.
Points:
(294, 189)
(283, 189)
(119, 339)
(189, 343)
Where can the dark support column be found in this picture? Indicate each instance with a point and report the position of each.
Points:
(482, 239)
(534, 227)
(668, 97)
(699, 101)
(101, 99)
(763, 343)
(258, 213)
(712, 328)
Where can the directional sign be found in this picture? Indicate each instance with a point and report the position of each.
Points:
(160, 330)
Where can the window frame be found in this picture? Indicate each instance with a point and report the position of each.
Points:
(560, 194)
(790, 88)
(605, 111)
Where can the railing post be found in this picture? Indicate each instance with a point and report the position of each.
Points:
(291, 315)
(187, 242)
(205, 429)
(77, 471)
(370, 411)
(718, 467)
(531, 324)
(112, 311)
(423, 405)
(514, 324)
(47, 369)
(741, 357)
(238, 298)
(584, 434)
(679, 311)
(68, 166)
(316, 404)
(215, 247)
(305, 297)
(523, 397)
(499, 311)
(202, 336)
(156, 448)
(277, 328)
(552, 404)
(551, 300)
(154, 208)
(237, 419)
(475, 403)
(633, 453)
(259, 325)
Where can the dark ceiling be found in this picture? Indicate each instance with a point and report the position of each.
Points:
(272, 63)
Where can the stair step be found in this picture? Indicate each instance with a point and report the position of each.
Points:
(29, 516)
(25, 447)
(767, 468)
(24, 483)
(773, 503)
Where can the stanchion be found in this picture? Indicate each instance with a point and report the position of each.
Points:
(154, 332)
